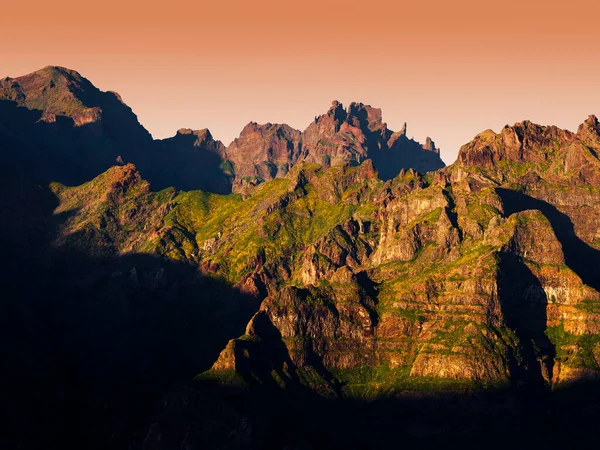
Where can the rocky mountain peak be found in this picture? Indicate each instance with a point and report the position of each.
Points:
(336, 105)
(60, 92)
(591, 122)
(336, 112)
(186, 131)
(250, 127)
(523, 142)
(589, 130)
(367, 117)
(266, 129)
(359, 133)
(430, 145)
(402, 131)
(56, 91)
(200, 135)
(263, 152)
(533, 136)
(50, 75)
(73, 129)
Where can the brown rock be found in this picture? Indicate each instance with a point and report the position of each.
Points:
(263, 152)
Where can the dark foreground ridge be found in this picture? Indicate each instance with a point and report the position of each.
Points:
(212, 416)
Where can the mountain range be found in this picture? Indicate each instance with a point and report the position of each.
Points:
(75, 131)
(179, 293)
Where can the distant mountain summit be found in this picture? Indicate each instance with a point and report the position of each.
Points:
(58, 118)
(192, 159)
(263, 152)
(68, 127)
(528, 148)
(358, 133)
(352, 135)
(56, 91)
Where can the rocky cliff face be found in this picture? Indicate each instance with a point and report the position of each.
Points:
(359, 133)
(340, 136)
(263, 152)
(473, 273)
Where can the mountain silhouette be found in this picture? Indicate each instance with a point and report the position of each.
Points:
(85, 131)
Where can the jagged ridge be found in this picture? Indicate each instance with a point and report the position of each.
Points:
(79, 131)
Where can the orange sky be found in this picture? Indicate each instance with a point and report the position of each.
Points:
(449, 68)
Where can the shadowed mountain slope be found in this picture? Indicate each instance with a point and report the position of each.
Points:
(95, 329)
(82, 130)
(192, 159)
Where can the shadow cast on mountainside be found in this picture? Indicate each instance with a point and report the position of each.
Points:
(91, 344)
(404, 154)
(181, 163)
(524, 303)
(263, 361)
(60, 151)
(258, 360)
(583, 259)
(210, 415)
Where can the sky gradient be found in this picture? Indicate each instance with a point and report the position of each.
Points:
(449, 69)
